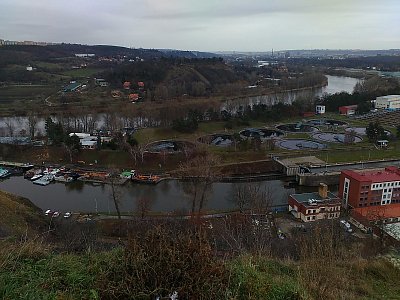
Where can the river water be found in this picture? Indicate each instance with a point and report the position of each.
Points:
(335, 84)
(167, 196)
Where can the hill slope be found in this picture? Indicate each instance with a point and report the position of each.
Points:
(18, 216)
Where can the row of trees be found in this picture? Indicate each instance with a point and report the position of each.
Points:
(364, 92)
(58, 137)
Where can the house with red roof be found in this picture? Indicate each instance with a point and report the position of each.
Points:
(133, 97)
(348, 110)
(127, 85)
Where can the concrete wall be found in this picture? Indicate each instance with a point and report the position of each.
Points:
(315, 179)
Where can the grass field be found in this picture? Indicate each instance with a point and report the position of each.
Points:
(82, 73)
(20, 91)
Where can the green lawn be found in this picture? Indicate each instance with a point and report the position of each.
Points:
(358, 155)
(79, 73)
(153, 134)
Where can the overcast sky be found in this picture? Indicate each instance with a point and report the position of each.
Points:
(206, 25)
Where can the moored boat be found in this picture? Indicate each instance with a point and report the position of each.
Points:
(36, 177)
(44, 180)
(4, 173)
(149, 179)
(63, 178)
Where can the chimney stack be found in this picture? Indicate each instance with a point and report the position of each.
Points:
(323, 190)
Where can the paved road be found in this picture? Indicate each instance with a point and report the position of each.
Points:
(357, 166)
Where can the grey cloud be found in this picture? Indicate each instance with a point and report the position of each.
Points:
(207, 24)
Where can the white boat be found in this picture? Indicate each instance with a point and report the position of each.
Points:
(4, 173)
(36, 177)
(44, 180)
(63, 178)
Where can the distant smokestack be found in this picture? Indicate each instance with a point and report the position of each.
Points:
(323, 190)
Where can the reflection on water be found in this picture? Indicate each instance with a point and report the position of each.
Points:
(167, 196)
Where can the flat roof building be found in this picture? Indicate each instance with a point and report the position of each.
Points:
(370, 188)
(72, 87)
(390, 102)
(310, 207)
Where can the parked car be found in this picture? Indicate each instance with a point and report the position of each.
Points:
(48, 212)
(345, 223)
(346, 226)
(56, 214)
(67, 215)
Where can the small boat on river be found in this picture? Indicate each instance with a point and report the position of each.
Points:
(63, 178)
(149, 179)
(36, 177)
(4, 173)
(44, 180)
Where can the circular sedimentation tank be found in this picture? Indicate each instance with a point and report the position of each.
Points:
(357, 130)
(168, 146)
(362, 130)
(219, 140)
(326, 122)
(332, 137)
(299, 144)
(297, 127)
(261, 133)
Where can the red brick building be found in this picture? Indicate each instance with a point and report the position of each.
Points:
(315, 206)
(370, 188)
(348, 110)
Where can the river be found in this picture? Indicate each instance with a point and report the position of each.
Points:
(167, 196)
(335, 84)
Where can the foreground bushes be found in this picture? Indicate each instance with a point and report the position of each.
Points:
(161, 261)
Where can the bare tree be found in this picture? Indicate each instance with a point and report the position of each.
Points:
(88, 122)
(201, 172)
(143, 205)
(32, 124)
(115, 192)
(10, 126)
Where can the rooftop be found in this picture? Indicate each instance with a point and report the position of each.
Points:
(389, 97)
(389, 174)
(300, 161)
(72, 86)
(349, 106)
(305, 197)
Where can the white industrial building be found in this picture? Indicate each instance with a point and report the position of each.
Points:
(390, 102)
(320, 109)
